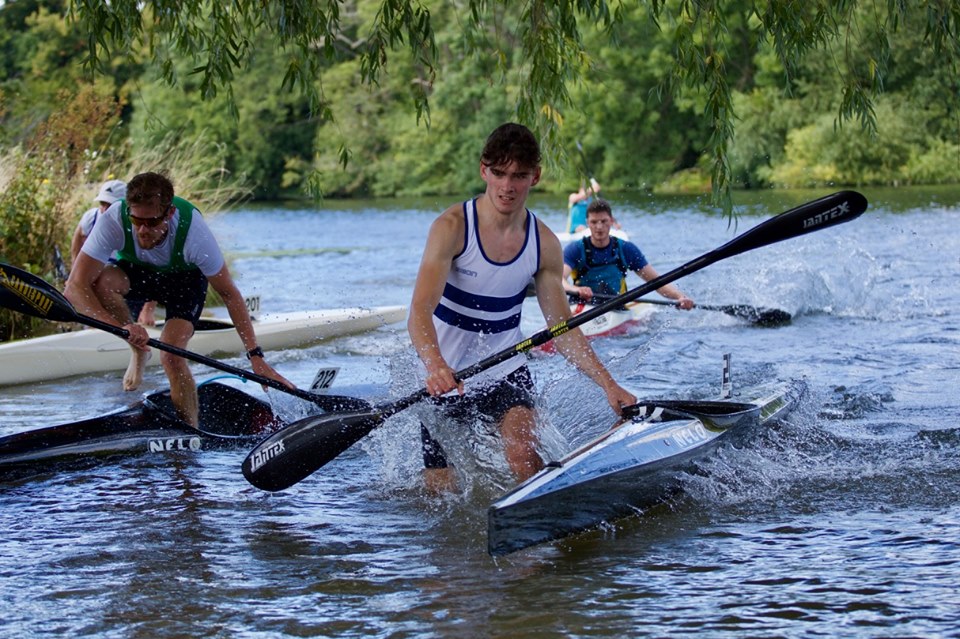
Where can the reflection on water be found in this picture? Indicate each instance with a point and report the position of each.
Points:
(845, 516)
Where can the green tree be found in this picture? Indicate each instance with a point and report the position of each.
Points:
(220, 37)
(255, 140)
(390, 152)
(633, 132)
(791, 135)
(40, 56)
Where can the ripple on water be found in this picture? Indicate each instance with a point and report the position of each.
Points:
(842, 520)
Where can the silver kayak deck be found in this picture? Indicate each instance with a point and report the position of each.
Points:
(632, 466)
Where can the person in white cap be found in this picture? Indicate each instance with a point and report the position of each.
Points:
(110, 192)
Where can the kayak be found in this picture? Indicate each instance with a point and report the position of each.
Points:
(229, 418)
(616, 322)
(621, 321)
(92, 351)
(566, 238)
(632, 466)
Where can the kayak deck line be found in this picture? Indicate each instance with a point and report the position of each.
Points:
(630, 467)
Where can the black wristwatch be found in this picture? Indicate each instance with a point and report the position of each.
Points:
(255, 352)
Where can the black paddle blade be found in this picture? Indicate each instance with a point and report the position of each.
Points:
(297, 450)
(773, 317)
(839, 208)
(26, 293)
(759, 316)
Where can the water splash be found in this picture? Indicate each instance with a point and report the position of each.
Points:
(814, 462)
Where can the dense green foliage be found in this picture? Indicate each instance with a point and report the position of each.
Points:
(388, 97)
(39, 185)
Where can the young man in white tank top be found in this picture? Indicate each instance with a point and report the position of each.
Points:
(478, 259)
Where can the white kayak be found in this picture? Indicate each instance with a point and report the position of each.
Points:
(630, 467)
(633, 316)
(566, 238)
(94, 351)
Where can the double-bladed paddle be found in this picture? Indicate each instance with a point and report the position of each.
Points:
(299, 449)
(26, 293)
(753, 314)
(583, 160)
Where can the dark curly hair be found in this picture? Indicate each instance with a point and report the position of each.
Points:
(511, 142)
(599, 206)
(146, 188)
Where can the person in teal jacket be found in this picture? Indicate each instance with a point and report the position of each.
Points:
(577, 203)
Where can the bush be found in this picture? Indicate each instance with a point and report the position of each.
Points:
(44, 185)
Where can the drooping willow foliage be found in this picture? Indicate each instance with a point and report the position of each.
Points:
(546, 37)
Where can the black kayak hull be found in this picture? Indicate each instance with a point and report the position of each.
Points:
(229, 418)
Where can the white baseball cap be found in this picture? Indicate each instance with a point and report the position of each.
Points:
(111, 191)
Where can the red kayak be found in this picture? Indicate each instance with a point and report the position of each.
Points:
(630, 318)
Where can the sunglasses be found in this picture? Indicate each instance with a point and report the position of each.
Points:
(149, 222)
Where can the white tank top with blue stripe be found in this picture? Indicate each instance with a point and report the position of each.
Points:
(479, 313)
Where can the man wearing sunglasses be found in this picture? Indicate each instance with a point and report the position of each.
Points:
(155, 246)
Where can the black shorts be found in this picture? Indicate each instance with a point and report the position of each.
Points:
(489, 404)
(181, 293)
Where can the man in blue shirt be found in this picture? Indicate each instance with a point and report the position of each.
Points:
(599, 264)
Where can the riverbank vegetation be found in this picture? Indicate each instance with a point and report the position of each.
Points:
(53, 176)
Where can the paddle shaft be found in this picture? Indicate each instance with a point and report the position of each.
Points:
(760, 316)
(599, 297)
(827, 211)
(583, 160)
(706, 307)
(603, 298)
(196, 357)
(59, 267)
(26, 293)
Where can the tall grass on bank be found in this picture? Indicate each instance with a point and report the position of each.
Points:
(47, 183)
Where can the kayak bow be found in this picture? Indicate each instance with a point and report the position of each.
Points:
(228, 418)
(634, 465)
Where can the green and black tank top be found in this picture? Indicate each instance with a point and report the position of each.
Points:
(177, 260)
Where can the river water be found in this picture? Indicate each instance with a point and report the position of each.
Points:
(842, 521)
